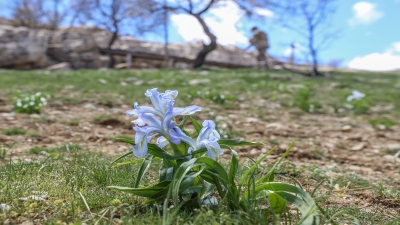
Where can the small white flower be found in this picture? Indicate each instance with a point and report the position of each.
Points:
(356, 95)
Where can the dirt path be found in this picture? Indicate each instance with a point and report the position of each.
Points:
(324, 140)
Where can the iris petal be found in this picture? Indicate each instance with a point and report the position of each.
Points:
(162, 142)
(189, 110)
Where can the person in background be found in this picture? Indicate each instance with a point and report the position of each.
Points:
(260, 41)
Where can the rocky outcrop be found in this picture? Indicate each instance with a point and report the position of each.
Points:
(81, 47)
(23, 48)
(76, 46)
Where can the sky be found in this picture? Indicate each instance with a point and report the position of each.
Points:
(366, 34)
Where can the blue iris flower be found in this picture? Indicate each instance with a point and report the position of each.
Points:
(149, 123)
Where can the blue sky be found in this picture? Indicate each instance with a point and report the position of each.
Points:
(368, 37)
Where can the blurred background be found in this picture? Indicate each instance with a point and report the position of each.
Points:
(74, 34)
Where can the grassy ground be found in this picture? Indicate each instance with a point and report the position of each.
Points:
(51, 183)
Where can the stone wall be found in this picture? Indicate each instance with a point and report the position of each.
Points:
(25, 48)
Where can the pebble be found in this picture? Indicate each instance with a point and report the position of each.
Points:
(346, 128)
(358, 147)
(254, 151)
(102, 81)
(199, 81)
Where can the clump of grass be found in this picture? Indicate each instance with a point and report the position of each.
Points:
(360, 106)
(62, 148)
(14, 131)
(73, 122)
(382, 121)
(302, 100)
(213, 96)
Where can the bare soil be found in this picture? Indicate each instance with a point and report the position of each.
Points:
(328, 141)
(321, 139)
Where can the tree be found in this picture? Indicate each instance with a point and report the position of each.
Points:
(310, 19)
(38, 13)
(134, 16)
(197, 9)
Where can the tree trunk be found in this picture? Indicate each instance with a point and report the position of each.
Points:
(111, 63)
(201, 56)
(314, 70)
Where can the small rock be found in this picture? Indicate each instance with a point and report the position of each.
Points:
(393, 147)
(124, 83)
(85, 128)
(131, 79)
(346, 128)
(251, 120)
(32, 197)
(381, 127)
(69, 87)
(254, 151)
(358, 147)
(7, 114)
(276, 126)
(264, 150)
(283, 146)
(390, 158)
(120, 66)
(64, 66)
(356, 137)
(109, 127)
(199, 81)
(89, 106)
(4, 207)
(102, 81)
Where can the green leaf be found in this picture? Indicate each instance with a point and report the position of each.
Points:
(153, 192)
(277, 203)
(216, 168)
(232, 143)
(127, 162)
(254, 166)
(207, 189)
(234, 165)
(143, 169)
(183, 122)
(304, 202)
(126, 140)
(166, 173)
(183, 179)
(308, 212)
(152, 149)
(269, 177)
(196, 124)
(121, 157)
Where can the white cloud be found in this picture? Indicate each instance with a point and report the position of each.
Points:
(389, 60)
(188, 27)
(264, 12)
(365, 13)
(222, 21)
(298, 49)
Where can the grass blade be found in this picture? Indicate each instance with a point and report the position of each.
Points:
(254, 166)
(143, 169)
(269, 177)
(232, 143)
(196, 124)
